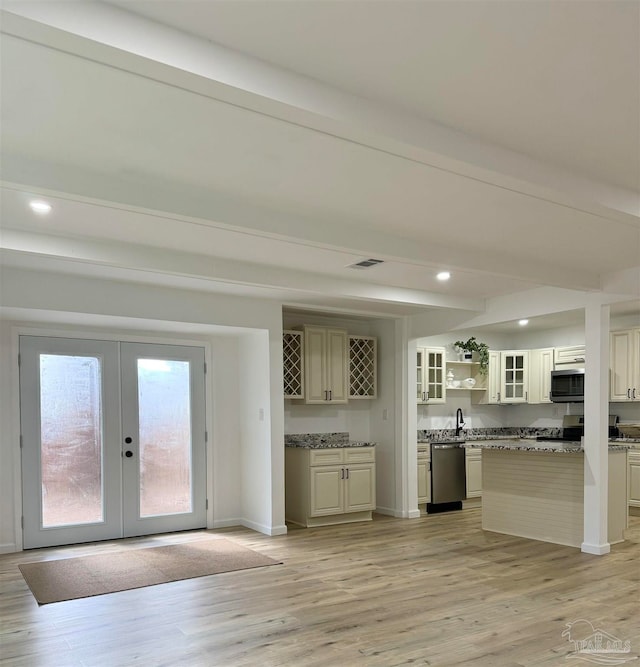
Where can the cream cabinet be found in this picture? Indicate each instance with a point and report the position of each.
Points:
(508, 377)
(624, 350)
(633, 482)
(541, 363)
(329, 486)
(569, 356)
(326, 365)
(493, 379)
(431, 370)
(424, 473)
(293, 363)
(514, 376)
(363, 367)
(473, 467)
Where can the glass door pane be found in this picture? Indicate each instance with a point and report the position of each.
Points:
(70, 425)
(163, 443)
(165, 437)
(71, 440)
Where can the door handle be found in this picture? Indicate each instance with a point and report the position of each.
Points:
(347, 473)
(341, 473)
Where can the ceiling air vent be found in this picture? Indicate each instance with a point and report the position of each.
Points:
(365, 264)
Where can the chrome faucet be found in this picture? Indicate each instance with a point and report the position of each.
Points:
(459, 421)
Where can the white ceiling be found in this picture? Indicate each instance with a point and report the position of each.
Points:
(558, 81)
(262, 147)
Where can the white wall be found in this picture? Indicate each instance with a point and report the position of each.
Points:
(9, 444)
(224, 482)
(48, 302)
(257, 488)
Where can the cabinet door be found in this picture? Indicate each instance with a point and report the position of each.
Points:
(360, 487)
(540, 367)
(431, 372)
(634, 479)
(337, 365)
(326, 490)
(635, 365)
(514, 381)
(624, 350)
(423, 480)
(435, 375)
(421, 393)
(474, 473)
(493, 377)
(314, 365)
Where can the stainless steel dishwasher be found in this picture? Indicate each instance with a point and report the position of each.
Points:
(448, 477)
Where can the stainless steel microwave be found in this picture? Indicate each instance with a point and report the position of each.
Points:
(567, 386)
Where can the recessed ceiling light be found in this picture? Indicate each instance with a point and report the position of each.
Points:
(40, 207)
(523, 323)
(443, 275)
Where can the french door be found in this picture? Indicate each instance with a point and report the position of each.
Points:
(113, 439)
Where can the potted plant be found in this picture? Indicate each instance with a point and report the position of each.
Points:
(482, 349)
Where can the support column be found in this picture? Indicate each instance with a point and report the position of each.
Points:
(410, 500)
(596, 428)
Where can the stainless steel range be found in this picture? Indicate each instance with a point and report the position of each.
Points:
(573, 429)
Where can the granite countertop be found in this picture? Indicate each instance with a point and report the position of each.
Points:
(323, 441)
(516, 438)
(333, 445)
(532, 445)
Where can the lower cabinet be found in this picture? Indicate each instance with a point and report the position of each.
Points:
(633, 483)
(329, 486)
(424, 474)
(473, 463)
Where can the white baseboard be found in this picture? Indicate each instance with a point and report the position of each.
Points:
(389, 511)
(595, 549)
(226, 523)
(414, 514)
(252, 525)
(8, 548)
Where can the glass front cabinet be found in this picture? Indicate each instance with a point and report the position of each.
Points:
(431, 367)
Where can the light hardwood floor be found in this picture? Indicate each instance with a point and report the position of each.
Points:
(430, 591)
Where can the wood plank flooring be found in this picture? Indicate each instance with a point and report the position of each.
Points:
(430, 591)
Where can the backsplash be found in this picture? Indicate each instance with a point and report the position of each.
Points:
(515, 431)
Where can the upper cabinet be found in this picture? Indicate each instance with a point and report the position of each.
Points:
(326, 356)
(508, 378)
(514, 378)
(624, 352)
(326, 365)
(431, 367)
(293, 363)
(540, 366)
(363, 367)
(493, 378)
(571, 356)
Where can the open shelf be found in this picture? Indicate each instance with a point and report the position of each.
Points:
(466, 389)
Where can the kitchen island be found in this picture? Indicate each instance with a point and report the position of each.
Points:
(536, 490)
